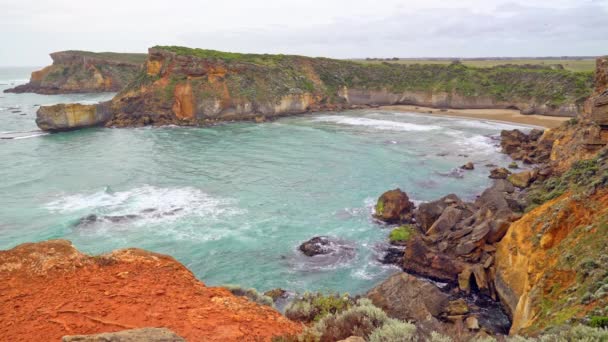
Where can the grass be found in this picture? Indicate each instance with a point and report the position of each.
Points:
(401, 234)
(577, 65)
(135, 58)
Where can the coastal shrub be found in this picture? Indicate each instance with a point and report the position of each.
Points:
(599, 322)
(251, 294)
(314, 306)
(401, 234)
(359, 320)
(437, 337)
(394, 330)
(576, 333)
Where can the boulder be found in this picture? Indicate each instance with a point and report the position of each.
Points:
(499, 173)
(318, 245)
(471, 323)
(394, 206)
(408, 298)
(133, 335)
(65, 117)
(428, 213)
(468, 166)
(522, 179)
(448, 219)
(424, 259)
(456, 308)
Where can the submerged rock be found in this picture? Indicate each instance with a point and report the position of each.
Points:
(394, 206)
(468, 166)
(318, 245)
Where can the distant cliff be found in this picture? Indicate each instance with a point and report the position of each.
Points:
(186, 86)
(83, 72)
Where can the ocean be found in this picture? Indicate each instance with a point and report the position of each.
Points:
(234, 201)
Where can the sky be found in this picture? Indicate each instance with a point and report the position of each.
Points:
(31, 29)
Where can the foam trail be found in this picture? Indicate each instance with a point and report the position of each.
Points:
(375, 123)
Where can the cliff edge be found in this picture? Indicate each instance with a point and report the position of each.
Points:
(83, 72)
(184, 86)
(50, 289)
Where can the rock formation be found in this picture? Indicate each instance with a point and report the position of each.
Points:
(51, 289)
(83, 72)
(131, 335)
(185, 86)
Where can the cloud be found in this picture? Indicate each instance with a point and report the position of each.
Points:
(338, 28)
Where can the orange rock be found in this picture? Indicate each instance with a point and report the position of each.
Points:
(50, 289)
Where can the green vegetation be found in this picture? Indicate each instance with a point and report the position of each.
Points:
(134, 58)
(572, 64)
(599, 322)
(311, 307)
(379, 207)
(401, 234)
(251, 294)
(265, 77)
(583, 176)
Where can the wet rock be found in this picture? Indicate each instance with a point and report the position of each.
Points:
(393, 256)
(513, 165)
(408, 298)
(133, 335)
(394, 206)
(468, 166)
(499, 173)
(92, 219)
(318, 245)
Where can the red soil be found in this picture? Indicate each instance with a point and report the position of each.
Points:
(50, 289)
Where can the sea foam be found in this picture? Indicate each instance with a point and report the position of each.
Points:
(376, 123)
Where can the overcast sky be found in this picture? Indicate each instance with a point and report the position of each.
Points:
(31, 29)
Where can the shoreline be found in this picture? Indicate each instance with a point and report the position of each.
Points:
(498, 115)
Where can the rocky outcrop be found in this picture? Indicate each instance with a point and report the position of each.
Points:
(51, 289)
(65, 117)
(531, 148)
(409, 298)
(83, 72)
(456, 240)
(132, 335)
(550, 266)
(185, 86)
(394, 206)
(596, 107)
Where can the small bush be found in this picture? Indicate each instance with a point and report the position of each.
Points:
(395, 330)
(314, 306)
(401, 234)
(360, 320)
(569, 334)
(599, 322)
(251, 294)
(437, 337)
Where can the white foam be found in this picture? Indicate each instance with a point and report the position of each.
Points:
(169, 204)
(375, 123)
(30, 136)
(494, 125)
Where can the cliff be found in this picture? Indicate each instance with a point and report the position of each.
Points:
(83, 72)
(551, 266)
(50, 289)
(185, 86)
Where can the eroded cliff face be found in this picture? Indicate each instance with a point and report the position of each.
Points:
(552, 264)
(50, 289)
(197, 87)
(83, 72)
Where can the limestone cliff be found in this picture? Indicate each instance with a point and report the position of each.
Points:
(195, 87)
(83, 72)
(552, 265)
(50, 289)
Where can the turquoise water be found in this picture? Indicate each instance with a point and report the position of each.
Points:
(232, 202)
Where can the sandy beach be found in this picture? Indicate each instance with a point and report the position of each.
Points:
(503, 115)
